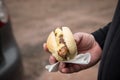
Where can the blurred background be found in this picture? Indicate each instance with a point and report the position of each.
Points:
(33, 20)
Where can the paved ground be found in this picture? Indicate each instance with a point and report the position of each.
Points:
(34, 19)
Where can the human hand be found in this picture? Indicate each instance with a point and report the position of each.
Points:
(85, 43)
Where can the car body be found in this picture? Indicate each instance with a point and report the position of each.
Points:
(10, 60)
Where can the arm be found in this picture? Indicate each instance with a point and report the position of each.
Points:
(85, 43)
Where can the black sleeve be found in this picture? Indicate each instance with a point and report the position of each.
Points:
(100, 35)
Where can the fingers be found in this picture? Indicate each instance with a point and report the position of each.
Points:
(45, 47)
(64, 68)
(69, 68)
(52, 59)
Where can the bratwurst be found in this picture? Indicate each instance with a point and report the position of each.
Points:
(61, 44)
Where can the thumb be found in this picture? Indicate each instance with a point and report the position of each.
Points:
(84, 41)
(78, 37)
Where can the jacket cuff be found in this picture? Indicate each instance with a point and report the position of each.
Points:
(100, 35)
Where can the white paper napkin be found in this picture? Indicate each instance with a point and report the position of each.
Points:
(79, 59)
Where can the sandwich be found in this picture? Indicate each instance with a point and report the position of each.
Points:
(61, 44)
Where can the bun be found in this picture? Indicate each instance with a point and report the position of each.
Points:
(61, 44)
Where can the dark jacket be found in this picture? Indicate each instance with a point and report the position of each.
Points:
(109, 40)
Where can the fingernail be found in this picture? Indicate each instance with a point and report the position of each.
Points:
(62, 64)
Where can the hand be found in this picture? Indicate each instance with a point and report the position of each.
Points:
(85, 43)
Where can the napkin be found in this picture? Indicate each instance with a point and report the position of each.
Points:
(79, 59)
